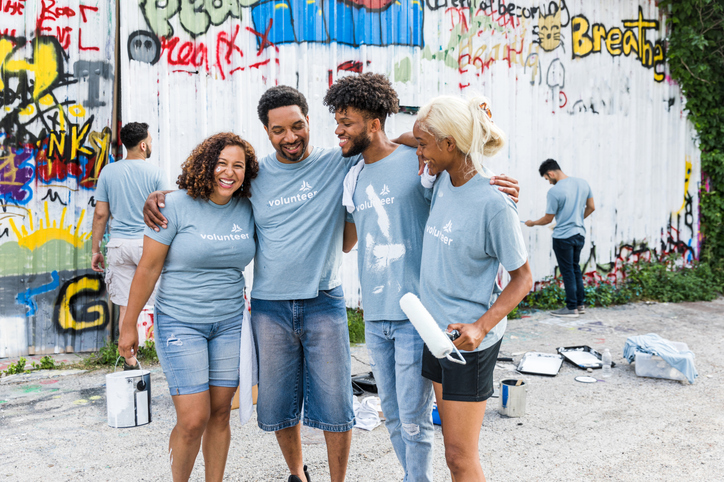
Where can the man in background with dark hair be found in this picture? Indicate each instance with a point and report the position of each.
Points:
(123, 187)
(570, 201)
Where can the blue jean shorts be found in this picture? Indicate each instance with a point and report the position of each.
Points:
(304, 358)
(196, 355)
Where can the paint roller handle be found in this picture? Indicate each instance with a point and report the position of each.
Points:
(471, 335)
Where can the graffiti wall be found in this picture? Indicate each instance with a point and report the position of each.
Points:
(582, 82)
(56, 100)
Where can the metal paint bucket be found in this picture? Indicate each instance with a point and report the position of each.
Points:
(128, 398)
(512, 397)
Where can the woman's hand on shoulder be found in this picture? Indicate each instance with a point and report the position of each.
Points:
(471, 335)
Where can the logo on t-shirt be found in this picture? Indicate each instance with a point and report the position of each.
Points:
(227, 237)
(385, 190)
(236, 229)
(305, 187)
(436, 233)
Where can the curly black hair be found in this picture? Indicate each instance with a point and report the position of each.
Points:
(370, 93)
(197, 173)
(548, 165)
(133, 133)
(280, 96)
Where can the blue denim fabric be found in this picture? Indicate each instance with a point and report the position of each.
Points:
(395, 351)
(196, 355)
(568, 254)
(304, 357)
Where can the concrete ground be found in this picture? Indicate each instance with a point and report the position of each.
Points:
(53, 425)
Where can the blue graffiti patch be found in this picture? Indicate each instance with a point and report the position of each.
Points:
(26, 298)
(351, 23)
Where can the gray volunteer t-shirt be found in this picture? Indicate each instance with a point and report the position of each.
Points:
(209, 245)
(567, 200)
(299, 223)
(125, 185)
(391, 208)
(471, 230)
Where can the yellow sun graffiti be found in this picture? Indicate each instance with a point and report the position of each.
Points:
(33, 237)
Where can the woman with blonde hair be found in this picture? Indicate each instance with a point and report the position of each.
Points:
(200, 304)
(472, 229)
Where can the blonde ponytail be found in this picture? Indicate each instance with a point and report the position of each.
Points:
(469, 122)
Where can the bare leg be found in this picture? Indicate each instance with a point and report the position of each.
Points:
(338, 444)
(217, 436)
(192, 416)
(461, 423)
(290, 442)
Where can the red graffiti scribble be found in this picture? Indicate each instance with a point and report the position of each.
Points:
(48, 11)
(83, 9)
(463, 86)
(80, 42)
(565, 99)
(13, 8)
(188, 54)
(265, 42)
(230, 44)
(351, 66)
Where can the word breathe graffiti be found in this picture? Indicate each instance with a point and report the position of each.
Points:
(617, 42)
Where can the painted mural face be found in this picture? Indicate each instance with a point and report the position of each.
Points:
(433, 153)
(288, 131)
(352, 131)
(228, 174)
(549, 31)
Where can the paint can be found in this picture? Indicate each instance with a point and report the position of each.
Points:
(512, 397)
(128, 397)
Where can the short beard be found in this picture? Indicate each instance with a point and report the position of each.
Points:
(293, 159)
(359, 144)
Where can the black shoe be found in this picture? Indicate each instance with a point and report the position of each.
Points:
(294, 478)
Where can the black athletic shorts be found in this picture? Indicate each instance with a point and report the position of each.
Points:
(472, 382)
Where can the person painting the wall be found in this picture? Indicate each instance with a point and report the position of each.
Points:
(472, 229)
(570, 201)
(201, 258)
(123, 187)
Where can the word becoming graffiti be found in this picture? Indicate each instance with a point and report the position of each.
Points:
(589, 39)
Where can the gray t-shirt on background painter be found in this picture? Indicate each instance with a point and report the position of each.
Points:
(391, 208)
(209, 246)
(125, 185)
(299, 224)
(471, 230)
(567, 200)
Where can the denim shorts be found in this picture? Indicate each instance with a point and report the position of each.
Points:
(304, 358)
(196, 355)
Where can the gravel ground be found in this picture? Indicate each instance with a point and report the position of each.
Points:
(53, 424)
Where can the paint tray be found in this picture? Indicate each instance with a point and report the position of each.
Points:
(535, 363)
(583, 356)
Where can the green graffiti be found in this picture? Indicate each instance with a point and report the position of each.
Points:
(403, 70)
(196, 16)
(55, 255)
(31, 389)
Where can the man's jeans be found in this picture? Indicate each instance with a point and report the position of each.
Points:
(568, 254)
(395, 351)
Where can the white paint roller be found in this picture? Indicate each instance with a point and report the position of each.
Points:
(436, 340)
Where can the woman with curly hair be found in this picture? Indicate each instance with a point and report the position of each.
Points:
(199, 306)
